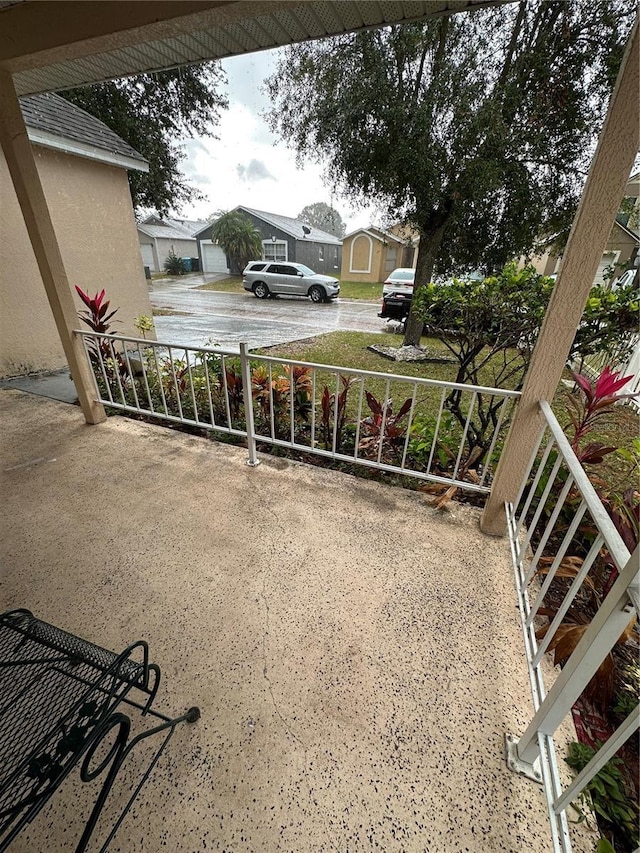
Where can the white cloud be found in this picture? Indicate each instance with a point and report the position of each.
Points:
(255, 170)
(247, 164)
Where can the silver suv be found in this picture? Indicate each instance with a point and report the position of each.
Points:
(264, 278)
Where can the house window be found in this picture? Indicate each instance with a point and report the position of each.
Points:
(321, 253)
(274, 251)
(392, 259)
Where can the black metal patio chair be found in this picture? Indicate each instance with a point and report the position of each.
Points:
(61, 705)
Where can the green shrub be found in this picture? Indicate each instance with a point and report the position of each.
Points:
(174, 265)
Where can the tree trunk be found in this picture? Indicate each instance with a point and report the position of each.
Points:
(427, 251)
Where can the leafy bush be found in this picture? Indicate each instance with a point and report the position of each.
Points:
(382, 432)
(606, 793)
(491, 326)
(333, 408)
(274, 396)
(143, 324)
(174, 265)
(105, 359)
(423, 433)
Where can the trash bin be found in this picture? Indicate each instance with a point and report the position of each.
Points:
(187, 264)
(195, 264)
(147, 273)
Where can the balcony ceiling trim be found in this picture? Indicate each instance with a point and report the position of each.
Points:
(59, 45)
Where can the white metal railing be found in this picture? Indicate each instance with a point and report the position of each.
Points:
(556, 508)
(422, 428)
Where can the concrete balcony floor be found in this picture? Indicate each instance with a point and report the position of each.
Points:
(357, 657)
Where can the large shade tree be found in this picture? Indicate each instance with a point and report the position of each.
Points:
(152, 112)
(475, 129)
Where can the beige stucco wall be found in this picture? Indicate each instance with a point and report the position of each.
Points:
(619, 248)
(92, 213)
(182, 248)
(361, 259)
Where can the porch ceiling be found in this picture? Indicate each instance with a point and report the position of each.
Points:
(357, 656)
(58, 45)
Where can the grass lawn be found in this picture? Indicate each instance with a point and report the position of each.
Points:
(361, 290)
(349, 349)
(169, 312)
(233, 284)
(348, 289)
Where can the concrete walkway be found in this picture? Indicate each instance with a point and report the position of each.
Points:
(357, 658)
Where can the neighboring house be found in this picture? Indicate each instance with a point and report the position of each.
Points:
(370, 254)
(284, 239)
(158, 237)
(83, 168)
(621, 250)
(622, 247)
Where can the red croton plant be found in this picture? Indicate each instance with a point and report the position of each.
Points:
(588, 409)
(96, 317)
(597, 712)
(585, 412)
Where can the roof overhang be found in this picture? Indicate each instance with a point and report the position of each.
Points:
(382, 236)
(62, 44)
(83, 149)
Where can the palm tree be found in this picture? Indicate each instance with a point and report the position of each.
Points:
(238, 238)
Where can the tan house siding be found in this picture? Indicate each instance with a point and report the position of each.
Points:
(92, 213)
(366, 257)
(181, 248)
(361, 255)
(619, 249)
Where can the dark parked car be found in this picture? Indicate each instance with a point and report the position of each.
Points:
(397, 294)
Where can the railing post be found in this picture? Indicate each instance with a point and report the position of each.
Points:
(248, 406)
(600, 637)
(18, 152)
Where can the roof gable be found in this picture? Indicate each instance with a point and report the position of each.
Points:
(188, 227)
(51, 120)
(294, 227)
(376, 233)
(626, 230)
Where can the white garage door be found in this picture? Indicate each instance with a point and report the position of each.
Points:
(147, 255)
(213, 258)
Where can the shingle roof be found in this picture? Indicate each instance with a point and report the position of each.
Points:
(377, 233)
(164, 231)
(172, 229)
(294, 227)
(52, 114)
(189, 226)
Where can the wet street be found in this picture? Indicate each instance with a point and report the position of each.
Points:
(228, 319)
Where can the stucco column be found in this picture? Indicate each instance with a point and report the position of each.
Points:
(610, 169)
(26, 180)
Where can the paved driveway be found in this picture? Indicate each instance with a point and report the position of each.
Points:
(228, 319)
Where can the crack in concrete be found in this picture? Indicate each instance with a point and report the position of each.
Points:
(288, 729)
(265, 670)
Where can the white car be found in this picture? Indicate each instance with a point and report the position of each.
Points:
(400, 281)
(263, 278)
(397, 294)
